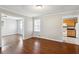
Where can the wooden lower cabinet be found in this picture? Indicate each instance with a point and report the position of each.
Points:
(71, 33)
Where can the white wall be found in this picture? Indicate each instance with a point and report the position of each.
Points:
(51, 27)
(0, 30)
(28, 27)
(9, 27)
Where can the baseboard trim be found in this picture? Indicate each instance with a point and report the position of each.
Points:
(9, 35)
(45, 39)
(28, 38)
(59, 40)
(63, 41)
(51, 39)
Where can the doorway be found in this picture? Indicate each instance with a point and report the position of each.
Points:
(12, 33)
(20, 27)
(36, 27)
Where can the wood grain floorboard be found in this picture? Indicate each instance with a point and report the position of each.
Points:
(37, 46)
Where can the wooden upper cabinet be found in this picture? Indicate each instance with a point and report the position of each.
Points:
(70, 21)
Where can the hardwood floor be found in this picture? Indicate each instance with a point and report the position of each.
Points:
(38, 46)
(0, 50)
(42, 46)
(12, 44)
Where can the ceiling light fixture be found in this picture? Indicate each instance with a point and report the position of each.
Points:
(39, 6)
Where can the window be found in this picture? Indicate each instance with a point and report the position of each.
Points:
(37, 25)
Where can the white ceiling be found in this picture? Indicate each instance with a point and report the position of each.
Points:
(5, 17)
(32, 11)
